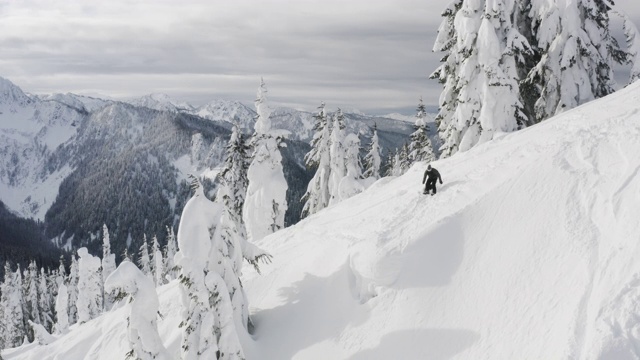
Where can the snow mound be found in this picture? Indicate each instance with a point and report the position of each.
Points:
(528, 251)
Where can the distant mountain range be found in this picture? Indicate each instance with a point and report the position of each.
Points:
(75, 162)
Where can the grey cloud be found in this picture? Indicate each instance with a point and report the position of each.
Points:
(375, 56)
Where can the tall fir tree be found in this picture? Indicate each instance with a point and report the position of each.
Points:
(11, 302)
(483, 50)
(350, 184)
(142, 327)
(144, 260)
(170, 251)
(317, 195)
(509, 64)
(420, 148)
(632, 37)
(62, 310)
(373, 159)
(157, 262)
(404, 163)
(577, 54)
(210, 329)
(31, 296)
(266, 201)
(72, 287)
(393, 162)
(235, 169)
(108, 264)
(45, 301)
(89, 304)
(337, 155)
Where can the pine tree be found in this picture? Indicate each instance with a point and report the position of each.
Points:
(632, 37)
(45, 301)
(337, 156)
(209, 330)
(577, 53)
(170, 251)
(89, 304)
(373, 161)
(350, 184)
(72, 288)
(235, 168)
(142, 327)
(11, 303)
(157, 262)
(483, 52)
(317, 196)
(144, 260)
(108, 264)
(266, 202)
(403, 162)
(393, 161)
(62, 272)
(62, 314)
(420, 148)
(31, 295)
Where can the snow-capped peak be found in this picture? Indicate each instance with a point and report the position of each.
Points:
(10, 94)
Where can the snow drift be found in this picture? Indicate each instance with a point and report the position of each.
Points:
(529, 251)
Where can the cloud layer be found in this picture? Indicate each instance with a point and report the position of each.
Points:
(372, 55)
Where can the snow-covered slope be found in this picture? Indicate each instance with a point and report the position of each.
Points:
(528, 251)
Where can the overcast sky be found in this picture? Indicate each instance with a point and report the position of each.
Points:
(370, 55)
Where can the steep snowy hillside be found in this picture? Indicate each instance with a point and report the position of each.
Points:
(528, 251)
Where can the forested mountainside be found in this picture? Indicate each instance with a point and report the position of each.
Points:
(74, 163)
(23, 239)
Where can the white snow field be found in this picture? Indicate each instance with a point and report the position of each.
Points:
(529, 251)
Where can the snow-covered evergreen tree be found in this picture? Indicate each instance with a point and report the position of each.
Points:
(484, 52)
(317, 196)
(230, 239)
(235, 168)
(45, 301)
(577, 53)
(373, 160)
(142, 328)
(336, 154)
(62, 315)
(350, 184)
(144, 260)
(72, 288)
(632, 37)
(170, 251)
(11, 303)
(420, 148)
(403, 163)
(61, 275)
(31, 294)
(157, 262)
(393, 164)
(89, 304)
(40, 335)
(266, 203)
(108, 264)
(210, 330)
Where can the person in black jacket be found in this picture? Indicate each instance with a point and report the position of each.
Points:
(431, 175)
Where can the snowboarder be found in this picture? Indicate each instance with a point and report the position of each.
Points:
(431, 175)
